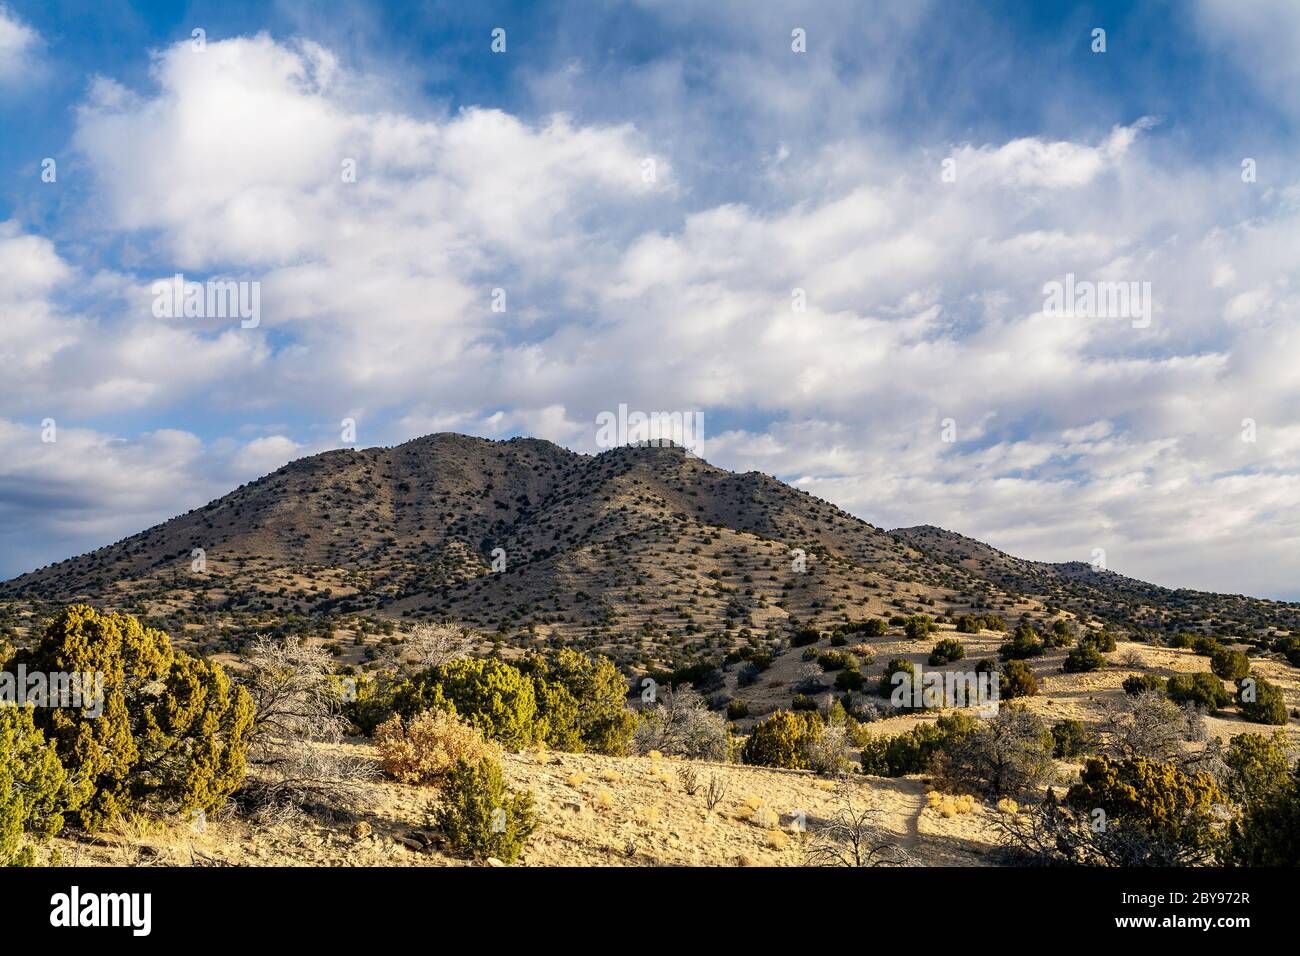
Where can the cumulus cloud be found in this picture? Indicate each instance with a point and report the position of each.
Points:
(20, 47)
(497, 274)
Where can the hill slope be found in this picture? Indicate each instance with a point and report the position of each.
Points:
(1109, 597)
(649, 554)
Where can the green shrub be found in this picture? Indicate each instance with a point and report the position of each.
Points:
(1291, 650)
(1141, 683)
(1257, 765)
(1072, 739)
(479, 816)
(894, 666)
(832, 660)
(874, 627)
(1229, 664)
(1103, 640)
(974, 623)
(1024, 643)
(1261, 702)
(582, 702)
(1016, 680)
(1156, 814)
(1061, 633)
(805, 636)
(1205, 645)
(782, 740)
(1268, 831)
(946, 651)
(1007, 754)
(33, 787)
(912, 751)
(1204, 690)
(917, 628)
(737, 709)
(849, 679)
(804, 703)
(1083, 658)
(173, 733)
(495, 697)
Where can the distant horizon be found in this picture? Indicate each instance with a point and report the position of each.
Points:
(887, 529)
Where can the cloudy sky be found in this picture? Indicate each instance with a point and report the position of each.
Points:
(648, 184)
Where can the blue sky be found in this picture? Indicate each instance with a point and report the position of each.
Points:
(774, 170)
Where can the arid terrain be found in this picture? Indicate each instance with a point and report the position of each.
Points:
(656, 559)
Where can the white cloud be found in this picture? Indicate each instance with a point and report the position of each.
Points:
(923, 302)
(19, 47)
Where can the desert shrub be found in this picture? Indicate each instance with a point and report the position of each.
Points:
(809, 654)
(1071, 739)
(856, 835)
(1008, 754)
(497, 698)
(582, 702)
(805, 636)
(1083, 658)
(864, 654)
(33, 787)
(1257, 765)
(1016, 679)
(1229, 664)
(1061, 634)
(1024, 643)
(1204, 690)
(423, 750)
(369, 704)
(874, 627)
(480, 817)
(917, 628)
(839, 639)
(1291, 651)
(1151, 725)
(1143, 683)
(849, 679)
(829, 752)
(1103, 640)
(172, 734)
(804, 703)
(912, 751)
(1182, 640)
(974, 623)
(737, 709)
(1205, 645)
(1261, 702)
(298, 706)
(1155, 813)
(946, 651)
(895, 666)
(782, 740)
(1135, 812)
(681, 724)
(833, 660)
(1268, 831)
